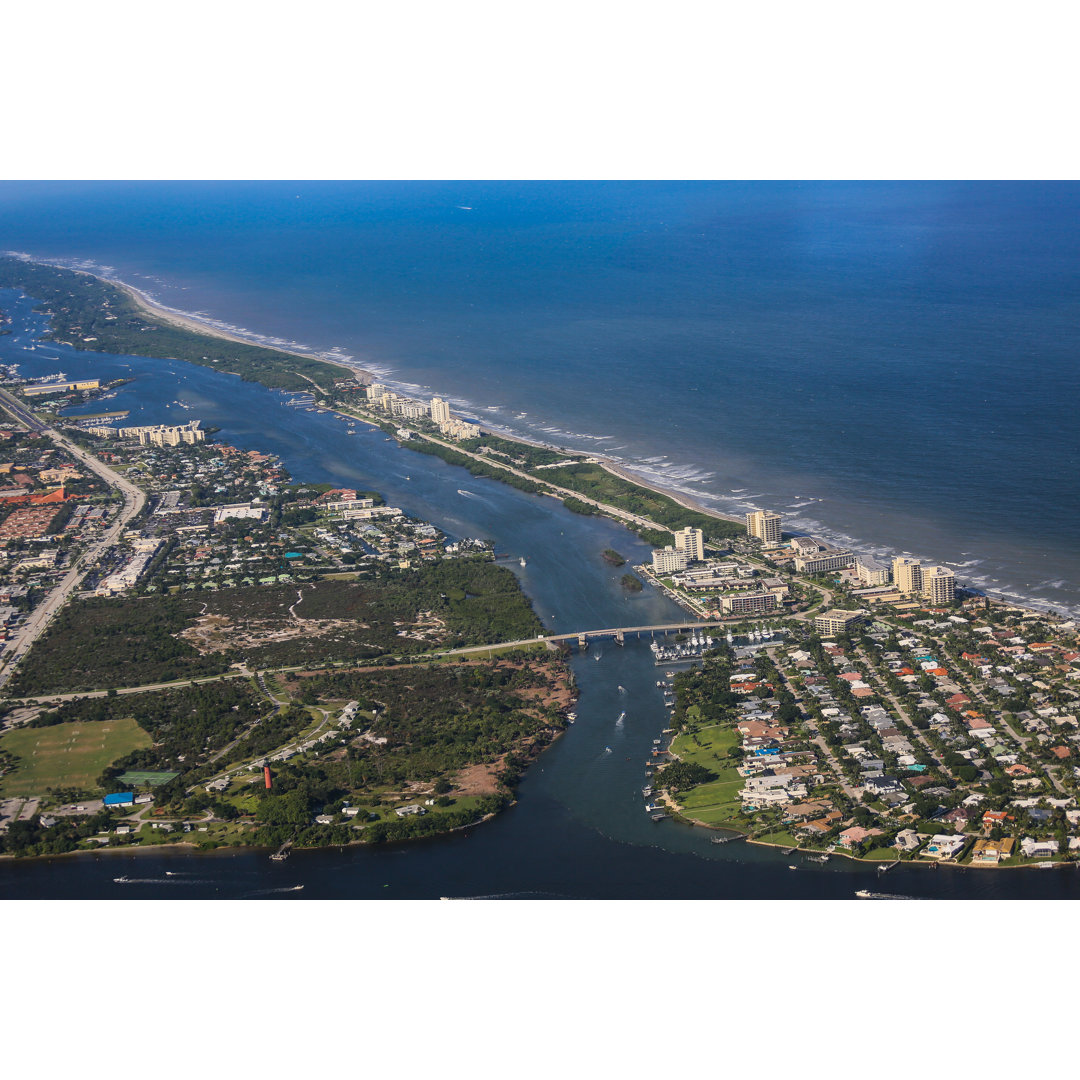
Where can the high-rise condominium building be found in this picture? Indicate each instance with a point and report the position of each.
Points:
(691, 542)
(938, 585)
(668, 561)
(907, 574)
(764, 525)
(440, 411)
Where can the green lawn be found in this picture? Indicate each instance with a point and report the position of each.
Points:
(67, 755)
(717, 801)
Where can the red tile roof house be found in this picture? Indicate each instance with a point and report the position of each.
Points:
(1061, 752)
(1018, 770)
(856, 835)
(994, 817)
(958, 699)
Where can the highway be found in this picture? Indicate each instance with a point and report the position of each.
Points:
(134, 501)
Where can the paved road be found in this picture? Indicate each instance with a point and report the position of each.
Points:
(134, 500)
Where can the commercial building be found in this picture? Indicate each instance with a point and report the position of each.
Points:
(668, 561)
(242, 511)
(907, 574)
(938, 585)
(871, 572)
(37, 389)
(691, 542)
(764, 525)
(838, 622)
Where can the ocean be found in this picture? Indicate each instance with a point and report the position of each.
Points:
(889, 365)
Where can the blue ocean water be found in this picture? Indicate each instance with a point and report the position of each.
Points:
(888, 364)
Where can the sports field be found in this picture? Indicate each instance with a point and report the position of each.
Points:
(67, 755)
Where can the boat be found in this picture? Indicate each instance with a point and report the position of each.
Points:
(571, 716)
(790, 867)
(120, 880)
(622, 717)
(646, 791)
(721, 839)
(818, 858)
(522, 560)
(658, 817)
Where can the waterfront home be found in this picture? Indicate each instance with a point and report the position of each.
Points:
(805, 811)
(907, 840)
(1036, 849)
(941, 846)
(856, 835)
(991, 852)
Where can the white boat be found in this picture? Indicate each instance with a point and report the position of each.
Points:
(522, 560)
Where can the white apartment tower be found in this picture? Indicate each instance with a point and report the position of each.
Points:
(691, 542)
(668, 561)
(764, 525)
(938, 585)
(907, 574)
(440, 411)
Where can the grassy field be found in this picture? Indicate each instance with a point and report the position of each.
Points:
(716, 802)
(67, 755)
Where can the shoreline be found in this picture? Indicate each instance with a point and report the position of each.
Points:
(185, 321)
(680, 816)
(198, 324)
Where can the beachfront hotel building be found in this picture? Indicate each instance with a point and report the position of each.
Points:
(764, 525)
(907, 574)
(440, 411)
(691, 542)
(825, 562)
(938, 585)
(668, 561)
(871, 572)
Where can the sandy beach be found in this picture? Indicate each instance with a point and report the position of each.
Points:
(199, 326)
(193, 323)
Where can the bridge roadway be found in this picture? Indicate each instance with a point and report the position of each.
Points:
(624, 630)
(468, 650)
